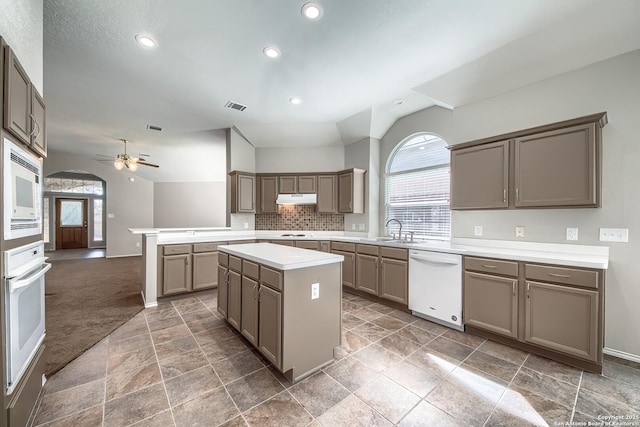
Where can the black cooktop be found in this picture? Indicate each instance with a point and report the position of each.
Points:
(292, 235)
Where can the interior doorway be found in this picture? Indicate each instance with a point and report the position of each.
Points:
(72, 223)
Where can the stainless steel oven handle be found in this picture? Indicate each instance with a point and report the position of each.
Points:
(28, 280)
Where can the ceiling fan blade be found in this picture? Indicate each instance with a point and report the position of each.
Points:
(105, 156)
(153, 165)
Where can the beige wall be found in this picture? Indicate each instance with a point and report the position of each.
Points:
(365, 154)
(612, 86)
(21, 26)
(241, 156)
(131, 203)
(309, 159)
(189, 204)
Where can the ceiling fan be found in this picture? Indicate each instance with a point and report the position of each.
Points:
(125, 160)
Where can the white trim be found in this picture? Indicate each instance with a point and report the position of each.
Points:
(122, 256)
(621, 355)
(148, 304)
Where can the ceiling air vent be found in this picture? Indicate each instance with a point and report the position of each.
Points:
(235, 106)
(154, 127)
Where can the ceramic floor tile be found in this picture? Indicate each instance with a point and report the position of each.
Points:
(413, 378)
(546, 386)
(157, 325)
(492, 365)
(168, 334)
(353, 412)
(129, 344)
(425, 414)
(621, 372)
(127, 381)
(434, 328)
(237, 366)
(280, 410)
(349, 306)
(377, 357)
(213, 335)
(157, 313)
(510, 354)
(69, 401)
(371, 331)
(185, 301)
(403, 315)
(205, 325)
(253, 389)
(88, 367)
(433, 362)
(388, 398)
(450, 348)
(176, 347)
(598, 405)
(210, 409)
(353, 342)
(190, 385)
(132, 360)
(182, 363)
(130, 329)
(195, 316)
(217, 351)
(388, 322)
(520, 407)
(469, 340)
(135, 406)
(319, 393)
(163, 419)
(554, 369)
(236, 422)
(351, 373)
(87, 418)
(349, 321)
(399, 345)
(380, 308)
(417, 335)
(621, 391)
(366, 314)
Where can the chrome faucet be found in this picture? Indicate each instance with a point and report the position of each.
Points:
(399, 231)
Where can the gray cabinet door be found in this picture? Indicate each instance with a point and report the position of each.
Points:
(268, 194)
(17, 98)
(270, 325)
(223, 288)
(205, 270)
(327, 194)
(288, 184)
(394, 283)
(307, 184)
(246, 193)
(367, 273)
(345, 192)
(491, 303)
(39, 134)
(176, 274)
(348, 268)
(563, 319)
(557, 168)
(234, 300)
(480, 176)
(250, 310)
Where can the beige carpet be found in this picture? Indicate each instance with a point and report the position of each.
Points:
(85, 300)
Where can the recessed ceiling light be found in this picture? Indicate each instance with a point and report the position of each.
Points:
(295, 100)
(398, 101)
(312, 11)
(271, 52)
(145, 40)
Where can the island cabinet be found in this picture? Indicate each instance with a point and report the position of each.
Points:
(187, 267)
(553, 166)
(289, 304)
(243, 192)
(347, 250)
(555, 311)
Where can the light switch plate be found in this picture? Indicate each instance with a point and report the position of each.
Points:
(477, 230)
(353, 226)
(361, 227)
(315, 290)
(572, 233)
(111, 216)
(519, 230)
(614, 235)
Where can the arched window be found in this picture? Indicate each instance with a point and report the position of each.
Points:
(417, 186)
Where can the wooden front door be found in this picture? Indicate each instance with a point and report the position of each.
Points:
(71, 223)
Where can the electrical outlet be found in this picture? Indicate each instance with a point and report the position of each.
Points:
(315, 290)
(614, 235)
(137, 244)
(519, 230)
(246, 225)
(477, 230)
(353, 226)
(572, 233)
(361, 227)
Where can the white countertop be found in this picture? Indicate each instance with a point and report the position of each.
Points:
(547, 253)
(281, 257)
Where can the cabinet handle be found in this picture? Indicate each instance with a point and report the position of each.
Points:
(260, 295)
(504, 196)
(33, 122)
(489, 266)
(39, 130)
(527, 289)
(226, 277)
(564, 276)
(255, 294)
(517, 194)
(513, 287)
(186, 260)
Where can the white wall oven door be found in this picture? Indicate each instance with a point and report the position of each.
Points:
(25, 327)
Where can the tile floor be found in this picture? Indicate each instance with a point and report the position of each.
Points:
(180, 364)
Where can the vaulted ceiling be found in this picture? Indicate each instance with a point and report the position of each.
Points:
(347, 67)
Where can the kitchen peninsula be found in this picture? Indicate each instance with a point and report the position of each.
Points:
(285, 301)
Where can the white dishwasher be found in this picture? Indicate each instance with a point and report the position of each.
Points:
(435, 287)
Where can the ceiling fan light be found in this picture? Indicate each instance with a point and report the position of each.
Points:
(133, 166)
(118, 163)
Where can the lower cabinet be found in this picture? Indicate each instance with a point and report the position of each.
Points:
(394, 275)
(563, 319)
(249, 320)
(176, 276)
(384, 272)
(491, 303)
(348, 268)
(205, 274)
(367, 273)
(270, 324)
(186, 268)
(223, 289)
(234, 299)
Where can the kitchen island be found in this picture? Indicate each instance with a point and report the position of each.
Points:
(286, 301)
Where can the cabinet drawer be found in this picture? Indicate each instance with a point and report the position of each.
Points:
(235, 263)
(240, 242)
(308, 244)
(494, 266)
(177, 249)
(563, 275)
(342, 246)
(394, 253)
(272, 278)
(250, 269)
(368, 249)
(207, 247)
(223, 259)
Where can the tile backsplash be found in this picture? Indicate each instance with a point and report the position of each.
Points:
(300, 217)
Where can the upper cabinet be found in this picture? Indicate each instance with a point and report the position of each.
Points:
(242, 192)
(351, 191)
(267, 194)
(288, 184)
(24, 112)
(307, 184)
(327, 194)
(553, 166)
(297, 184)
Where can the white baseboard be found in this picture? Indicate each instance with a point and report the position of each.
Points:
(123, 256)
(621, 355)
(148, 304)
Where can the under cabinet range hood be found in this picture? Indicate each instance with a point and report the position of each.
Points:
(297, 199)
